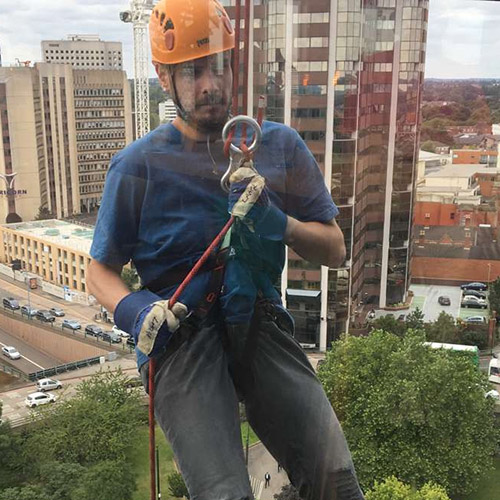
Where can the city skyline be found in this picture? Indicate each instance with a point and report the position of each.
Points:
(459, 33)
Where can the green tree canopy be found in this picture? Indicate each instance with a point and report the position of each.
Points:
(393, 489)
(99, 423)
(410, 411)
(288, 492)
(24, 493)
(105, 481)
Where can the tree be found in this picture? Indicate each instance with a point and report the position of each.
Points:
(106, 480)
(389, 323)
(444, 329)
(409, 411)
(393, 489)
(415, 320)
(288, 492)
(60, 479)
(177, 486)
(100, 423)
(44, 213)
(494, 296)
(11, 463)
(24, 493)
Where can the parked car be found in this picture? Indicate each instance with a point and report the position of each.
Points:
(11, 303)
(93, 330)
(39, 398)
(131, 342)
(475, 286)
(119, 332)
(475, 319)
(28, 311)
(47, 384)
(475, 304)
(111, 337)
(444, 300)
(10, 352)
(494, 394)
(401, 317)
(45, 316)
(475, 293)
(56, 311)
(474, 298)
(371, 314)
(71, 324)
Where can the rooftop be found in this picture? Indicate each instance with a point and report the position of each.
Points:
(57, 232)
(466, 170)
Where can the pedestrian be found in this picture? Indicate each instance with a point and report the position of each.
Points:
(279, 467)
(162, 206)
(267, 479)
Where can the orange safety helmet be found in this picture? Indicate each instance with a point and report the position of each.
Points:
(183, 30)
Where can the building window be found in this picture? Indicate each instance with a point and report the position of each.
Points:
(452, 216)
(427, 216)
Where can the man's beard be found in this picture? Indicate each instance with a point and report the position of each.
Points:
(211, 123)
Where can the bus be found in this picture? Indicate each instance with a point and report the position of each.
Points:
(472, 349)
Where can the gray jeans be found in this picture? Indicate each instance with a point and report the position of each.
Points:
(201, 377)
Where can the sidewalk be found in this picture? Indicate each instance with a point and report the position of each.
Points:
(260, 461)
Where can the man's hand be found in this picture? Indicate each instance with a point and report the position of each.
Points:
(249, 200)
(156, 324)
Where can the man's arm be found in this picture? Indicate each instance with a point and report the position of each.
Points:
(105, 284)
(316, 242)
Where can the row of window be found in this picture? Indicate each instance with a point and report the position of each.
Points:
(92, 178)
(100, 103)
(98, 92)
(91, 146)
(101, 124)
(100, 113)
(89, 136)
(95, 156)
(308, 112)
(91, 188)
(93, 167)
(314, 17)
(306, 66)
(313, 42)
(52, 51)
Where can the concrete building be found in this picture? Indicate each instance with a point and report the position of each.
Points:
(83, 52)
(56, 251)
(475, 156)
(60, 127)
(167, 111)
(348, 74)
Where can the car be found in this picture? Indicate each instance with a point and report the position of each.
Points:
(444, 300)
(71, 324)
(473, 298)
(474, 304)
(122, 334)
(46, 384)
(56, 311)
(475, 293)
(493, 394)
(401, 317)
(131, 342)
(111, 337)
(28, 311)
(11, 303)
(39, 398)
(10, 352)
(475, 319)
(371, 314)
(93, 330)
(45, 316)
(475, 286)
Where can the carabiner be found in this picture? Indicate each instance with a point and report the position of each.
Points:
(236, 153)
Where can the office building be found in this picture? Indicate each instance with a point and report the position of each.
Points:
(83, 52)
(167, 111)
(348, 75)
(60, 128)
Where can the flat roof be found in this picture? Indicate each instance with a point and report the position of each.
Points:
(466, 170)
(57, 232)
(295, 292)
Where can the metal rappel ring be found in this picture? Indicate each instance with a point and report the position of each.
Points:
(247, 120)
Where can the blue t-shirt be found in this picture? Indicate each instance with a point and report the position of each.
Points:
(163, 205)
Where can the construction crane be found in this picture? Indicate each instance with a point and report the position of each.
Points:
(138, 15)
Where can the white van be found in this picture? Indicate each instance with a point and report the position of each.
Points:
(494, 371)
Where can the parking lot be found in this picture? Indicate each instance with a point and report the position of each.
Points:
(426, 299)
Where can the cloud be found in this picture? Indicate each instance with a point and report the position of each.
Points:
(24, 24)
(462, 39)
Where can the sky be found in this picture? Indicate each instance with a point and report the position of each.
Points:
(463, 39)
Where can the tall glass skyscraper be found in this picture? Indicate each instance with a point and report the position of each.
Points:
(348, 76)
